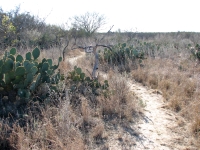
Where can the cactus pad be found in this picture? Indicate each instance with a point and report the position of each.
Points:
(11, 57)
(36, 53)
(34, 70)
(13, 51)
(45, 66)
(28, 56)
(8, 65)
(60, 59)
(19, 58)
(78, 70)
(50, 62)
(20, 71)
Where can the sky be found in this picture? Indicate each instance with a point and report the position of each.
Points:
(126, 15)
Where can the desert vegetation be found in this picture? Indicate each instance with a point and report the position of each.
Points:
(50, 99)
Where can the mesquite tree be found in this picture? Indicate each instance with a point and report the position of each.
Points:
(89, 23)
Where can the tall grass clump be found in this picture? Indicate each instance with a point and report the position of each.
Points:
(176, 76)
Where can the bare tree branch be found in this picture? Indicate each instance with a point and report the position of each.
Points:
(89, 22)
(105, 34)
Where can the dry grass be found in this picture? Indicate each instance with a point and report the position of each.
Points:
(67, 126)
(125, 103)
(53, 131)
(64, 68)
(179, 83)
(84, 125)
(74, 53)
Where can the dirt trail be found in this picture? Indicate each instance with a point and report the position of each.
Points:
(159, 128)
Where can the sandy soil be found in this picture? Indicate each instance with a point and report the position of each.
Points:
(157, 129)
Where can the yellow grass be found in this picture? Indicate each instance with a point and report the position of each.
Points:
(179, 87)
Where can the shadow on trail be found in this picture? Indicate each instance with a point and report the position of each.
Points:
(139, 137)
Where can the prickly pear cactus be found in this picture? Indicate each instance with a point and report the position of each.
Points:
(121, 55)
(79, 81)
(21, 76)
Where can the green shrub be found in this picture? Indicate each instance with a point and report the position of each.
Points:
(78, 80)
(82, 85)
(121, 55)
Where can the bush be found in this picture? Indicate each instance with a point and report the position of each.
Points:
(121, 56)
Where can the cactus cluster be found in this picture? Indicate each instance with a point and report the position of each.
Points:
(78, 81)
(121, 55)
(148, 48)
(21, 76)
(197, 53)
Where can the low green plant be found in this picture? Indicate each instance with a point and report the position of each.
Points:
(20, 76)
(121, 55)
(197, 47)
(79, 81)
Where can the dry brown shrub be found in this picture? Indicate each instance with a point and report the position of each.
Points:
(189, 88)
(175, 104)
(86, 63)
(64, 68)
(66, 127)
(196, 125)
(121, 103)
(55, 130)
(179, 83)
(85, 110)
(52, 53)
(165, 84)
(140, 75)
(74, 53)
(97, 131)
(153, 81)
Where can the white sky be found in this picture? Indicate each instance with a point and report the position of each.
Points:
(143, 15)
